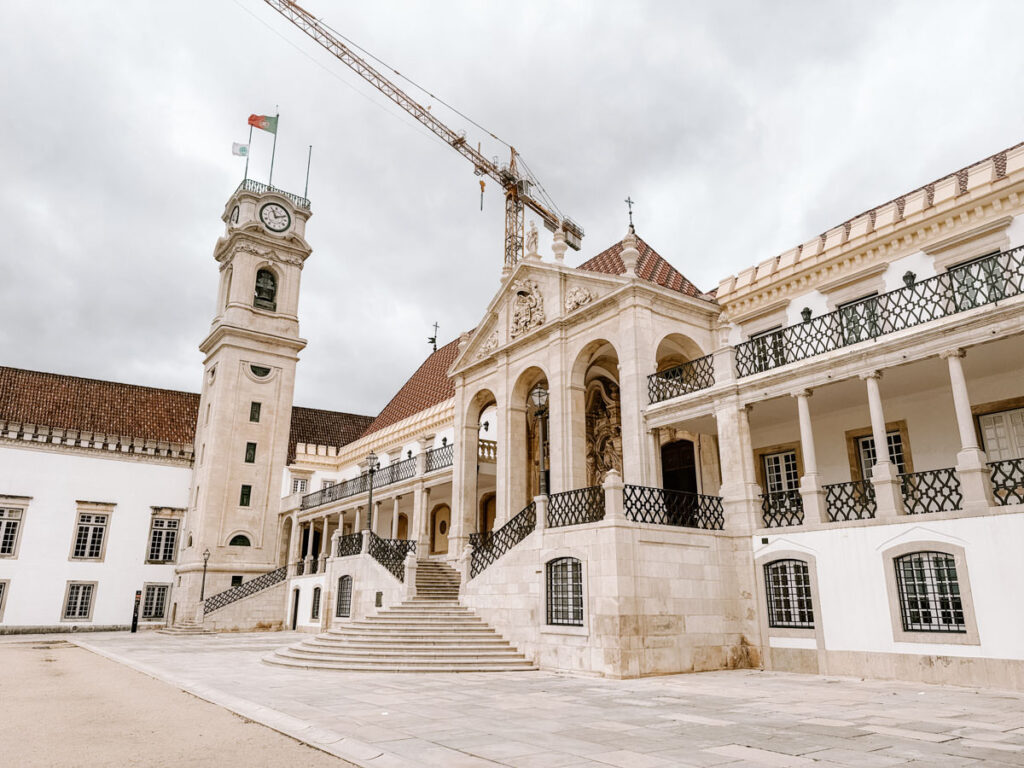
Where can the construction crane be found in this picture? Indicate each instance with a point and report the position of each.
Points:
(518, 186)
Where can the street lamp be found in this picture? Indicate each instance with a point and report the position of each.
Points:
(372, 462)
(202, 589)
(539, 397)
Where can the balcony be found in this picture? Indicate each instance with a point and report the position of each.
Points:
(979, 283)
(690, 376)
(393, 473)
(439, 458)
(254, 186)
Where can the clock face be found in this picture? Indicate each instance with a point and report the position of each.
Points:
(275, 217)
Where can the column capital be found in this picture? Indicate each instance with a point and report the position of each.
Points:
(802, 393)
(871, 375)
(955, 352)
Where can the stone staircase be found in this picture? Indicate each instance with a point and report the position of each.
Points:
(186, 627)
(431, 633)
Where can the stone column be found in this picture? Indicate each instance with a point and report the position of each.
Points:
(888, 494)
(740, 492)
(656, 479)
(375, 518)
(294, 545)
(325, 544)
(971, 462)
(358, 526)
(394, 518)
(420, 518)
(636, 363)
(541, 509)
(811, 491)
(464, 485)
(308, 553)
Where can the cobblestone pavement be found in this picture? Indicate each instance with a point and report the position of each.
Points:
(542, 720)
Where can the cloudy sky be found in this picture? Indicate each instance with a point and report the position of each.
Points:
(739, 128)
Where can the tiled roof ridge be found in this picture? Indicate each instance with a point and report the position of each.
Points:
(651, 266)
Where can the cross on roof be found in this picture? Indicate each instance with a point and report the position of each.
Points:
(629, 202)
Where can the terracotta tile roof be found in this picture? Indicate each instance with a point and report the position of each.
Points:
(429, 386)
(108, 407)
(651, 267)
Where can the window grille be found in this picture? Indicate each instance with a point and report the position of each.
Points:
(162, 538)
(788, 587)
(866, 452)
(79, 602)
(780, 472)
(10, 522)
(89, 540)
(929, 593)
(154, 602)
(254, 412)
(565, 592)
(315, 612)
(344, 597)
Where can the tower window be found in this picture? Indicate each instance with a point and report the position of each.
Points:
(246, 496)
(250, 453)
(238, 540)
(265, 294)
(254, 412)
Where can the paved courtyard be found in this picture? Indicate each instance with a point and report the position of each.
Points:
(539, 719)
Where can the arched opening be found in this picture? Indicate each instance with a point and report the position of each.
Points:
(528, 439)
(488, 512)
(440, 526)
(344, 606)
(403, 526)
(265, 290)
(239, 540)
(596, 439)
(676, 349)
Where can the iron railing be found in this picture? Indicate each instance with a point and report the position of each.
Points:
(584, 505)
(781, 508)
(254, 186)
(935, 490)
(314, 565)
(350, 544)
(851, 501)
(245, 589)
(391, 553)
(439, 458)
(681, 380)
(981, 282)
(665, 507)
(300, 567)
(489, 546)
(487, 450)
(393, 473)
(1008, 481)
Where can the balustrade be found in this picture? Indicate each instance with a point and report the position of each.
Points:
(782, 508)
(584, 505)
(391, 553)
(936, 490)
(489, 546)
(851, 501)
(439, 458)
(665, 507)
(690, 376)
(1008, 481)
(350, 544)
(245, 589)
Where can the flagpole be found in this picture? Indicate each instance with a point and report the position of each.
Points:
(309, 159)
(270, 181)
(248, 149)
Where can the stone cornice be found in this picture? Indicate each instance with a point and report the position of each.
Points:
(95, 444)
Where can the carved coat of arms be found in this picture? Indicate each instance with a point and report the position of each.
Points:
(527, 307)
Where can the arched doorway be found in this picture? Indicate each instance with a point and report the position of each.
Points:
(440, 525)
(679, 466)
(403, 526)
(488, 512)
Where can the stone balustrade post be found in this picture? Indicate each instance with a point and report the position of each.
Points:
(614, 506)
(723, 363)
(366, 541)
(465, 564)
(411, 564)
(540, 505)
(971, 462)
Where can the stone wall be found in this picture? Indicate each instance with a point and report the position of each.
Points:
(259, 612)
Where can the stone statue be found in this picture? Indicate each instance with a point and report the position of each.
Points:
(531, 242)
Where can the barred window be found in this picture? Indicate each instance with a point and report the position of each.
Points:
(163, 535)
(788, 587)
(154, 601)
(315, 611)
(10, 524)
(89, 539)
(254, 411)
(565, 592)
(929, 593)
(344, 597)
(245, 496)
(78, 604)
(239, 540)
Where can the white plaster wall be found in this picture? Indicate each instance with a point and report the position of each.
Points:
(306, 585)
(55, 480)
(851, 579)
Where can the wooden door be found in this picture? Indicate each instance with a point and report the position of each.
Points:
(440, 529)
(679, 466)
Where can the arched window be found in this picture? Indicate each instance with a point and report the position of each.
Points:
(239, 540)
(565, 592)
(929, 592)
(315, 611)
(265, 294)
(344, 597)
(788, 587)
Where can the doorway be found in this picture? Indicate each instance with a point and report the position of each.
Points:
(679, 467)
(442, 520)
(488, 511)
(403, 526)
(295, 609)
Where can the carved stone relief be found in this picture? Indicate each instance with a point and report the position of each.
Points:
(577, 297)
(488, 346)
(527, 307)
(604, 430)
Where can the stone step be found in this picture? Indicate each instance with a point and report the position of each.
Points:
(414, 634)
(424, 663)
(443, 667)
(411, 657)
(385, 641)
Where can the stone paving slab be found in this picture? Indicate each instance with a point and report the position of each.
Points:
(545, 720)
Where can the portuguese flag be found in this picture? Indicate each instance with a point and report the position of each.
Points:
(264, 123)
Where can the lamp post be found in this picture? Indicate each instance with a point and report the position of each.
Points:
(202, 589)
(371, 466)
(539, 397)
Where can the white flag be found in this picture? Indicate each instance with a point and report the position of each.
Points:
(242, 150)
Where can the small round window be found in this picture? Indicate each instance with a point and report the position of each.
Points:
(443, 527)
(239, 541)
(259, 370)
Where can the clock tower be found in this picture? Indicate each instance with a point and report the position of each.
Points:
(242, 431)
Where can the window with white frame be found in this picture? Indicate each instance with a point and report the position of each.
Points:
(154, 601)
(10, 526)
(866, 452)
(565, 592)
(90, 536)
(1002, 433)
(929, 592)
(299, 484)
(780, 472)
(79, 599)
(788, 587)
(978, 281)
(163, 535)
(328, 483)
(859, 318)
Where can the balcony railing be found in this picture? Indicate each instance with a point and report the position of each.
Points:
(487, 451)
(245, 589)
(584, 505)
(489, 546)
(981, 282)
(300, 567)
(391, 553)
(439, 458)
(393, 473)
(851, 501)
(1008, 481)
(659, 506)
(781, 508)
(683, 379)
(254, 186)
(350, 544)
(936, 490)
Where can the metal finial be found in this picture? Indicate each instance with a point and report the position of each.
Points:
(629, 202)
(433, 339)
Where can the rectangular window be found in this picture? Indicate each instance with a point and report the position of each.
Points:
(250, 453)
(314, 613)
(328, 483)
(299, 484)
(254, 411)
(154, 601)
(929, 593)
(788, 584)
(866, 453)
(859, 319)
(236, 581)
(78, 603)
(780, 472)
(10, 525)
(769, 348)
(978, 282)
(163, 535)
(565, 592)
(245, 497)
(92, 529)
(1002, 434)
